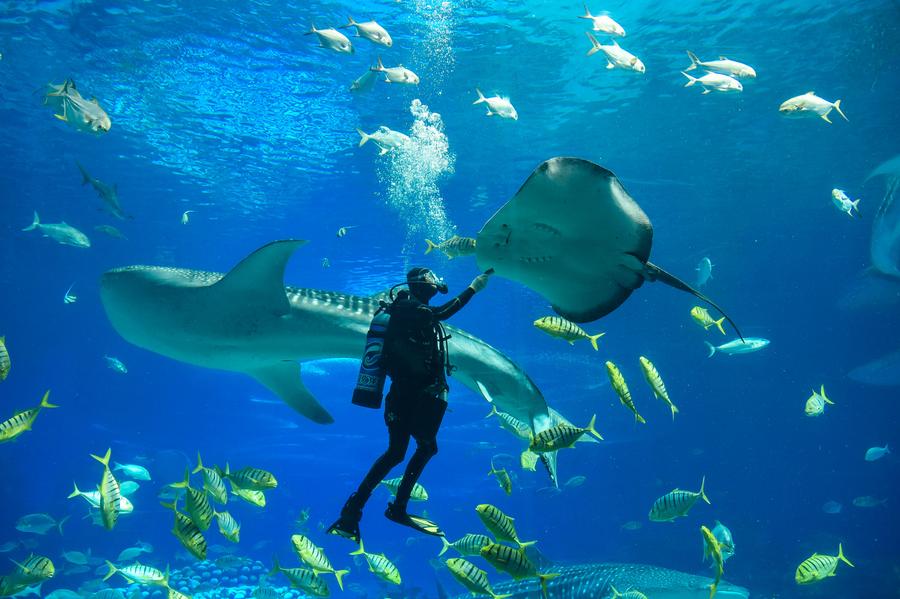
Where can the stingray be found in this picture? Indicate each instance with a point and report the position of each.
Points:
(574, 235)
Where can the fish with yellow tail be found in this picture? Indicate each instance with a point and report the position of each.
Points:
(418, 491)
(187, 532)
(469, 544)
(34, 570)
(196, 503)
(379, 565)
(212, 482)
(712, 550)
(313, 556)
(520, 429)
(656, 383)
(528, 460)
(303, 579)
(701, 316)
(228, 526)
(138, 573)
(561, 436)
(515, 563)
(817, 568)
(503, 478)
(4, 359)
(810, 105)
(454, 247)
(472, 577)
(677, 503)
(815, 405)
(629, 594)
(257, 498)
(110, 493)
(500, 525)
(23, 420)
(621, 388)
(559, 327)
(254, 479)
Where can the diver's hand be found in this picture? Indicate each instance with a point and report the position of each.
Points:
(479, 283)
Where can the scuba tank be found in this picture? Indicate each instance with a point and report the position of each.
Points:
(372, 373)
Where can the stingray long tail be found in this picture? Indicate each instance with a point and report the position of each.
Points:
(655, 273)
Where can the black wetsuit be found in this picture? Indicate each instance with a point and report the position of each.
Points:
(415, 354)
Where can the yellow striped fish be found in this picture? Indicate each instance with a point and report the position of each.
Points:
(23, 420)
(454, 247)
(529, 460)
(621, 389)
(173, 594)
(212, 482)
(503, 478)
(253, 479)
(629, 594)
(499, 524)
(138, 573)
(520, 429)
(470, 544)
(257, 498)
(711, 549)
(656, 383)
(304, 579)
(815, 405)
(701, 316)
(315, 558)
(187, 532)
(110, 493)
(34, 570)
(4, 359)
(472, 577)
(515, 563)
(228, 526)
(559, 327)
(676, 503)
(561, 436)
(196, 503)
(418, 491)
(380, 565)
(819, 567)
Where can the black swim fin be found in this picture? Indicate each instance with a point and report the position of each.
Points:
(347, 528)
(419, 523)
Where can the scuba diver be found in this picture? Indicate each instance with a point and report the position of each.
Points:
(415, 356)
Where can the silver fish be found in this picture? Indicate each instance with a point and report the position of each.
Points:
(74, 110)
(60, 232)
(108, 193)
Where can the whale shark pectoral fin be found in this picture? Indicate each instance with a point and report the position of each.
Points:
(258, 280)
(283, 379)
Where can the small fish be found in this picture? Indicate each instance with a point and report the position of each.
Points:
(469, 544)
(39, 524)
(867, 501)
(62, 233)
(842, 202)
(418, 492)
(503, 478)
(810, 105)
(76, 557)
(111, 231)
(343, 230)
(819, 567)
(575, 481)
(332, 39)
(656, 383)
(380, 565)
(714, 82)
(23, 420)
(398, 74)
(737, 346)
(365, 82)
(134, 471)
(616, 56)
(632, 525)
(557, 326)
(92, 497)
(110, 493)
(250, 478)
(186, 216)
(212, 482)
(34, 570)
(326, 263)
(704, 271)
(701, 317)
(515, 563)
(138, 573)
(187, 532)
(116, 364)
(561, 436)
(676, 503)
(9, 546)
(528, 460)
(251, 496)
(603, 23)
(228, 526)
(832, 507)
(723, 66)
(454, 247)
(4, 360)
(876, 453)
(131, 553)
(725, 539)
(196, 503)
(621, 388)
(313, 556)
(497, 106)
(108, 193)
(128, 487)
(520, 429)
(385, 138)
(370, 30)
(712, 550)
(815, 405)
(472, 577)
(302, 518)
(500, 525)
(83, 115)
(69, 297)
(629, 594)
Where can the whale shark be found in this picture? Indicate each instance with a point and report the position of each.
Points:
(592, 581)
(248, 321)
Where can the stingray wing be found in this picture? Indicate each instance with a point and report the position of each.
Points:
(573, 234)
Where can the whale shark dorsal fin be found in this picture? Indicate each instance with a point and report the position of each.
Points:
(283, 379)
(258, 279)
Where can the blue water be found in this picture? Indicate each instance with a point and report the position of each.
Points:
(228, 110)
